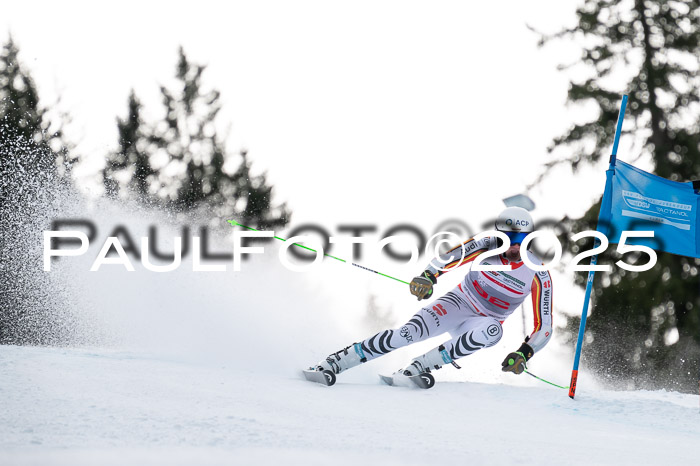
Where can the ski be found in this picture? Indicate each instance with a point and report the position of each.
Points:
(424, 380)
(322, 377)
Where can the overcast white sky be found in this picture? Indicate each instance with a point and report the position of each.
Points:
(359, 111)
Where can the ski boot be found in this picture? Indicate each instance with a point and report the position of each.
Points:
(342, 360)
(432, 360)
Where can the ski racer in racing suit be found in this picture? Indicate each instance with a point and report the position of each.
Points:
(472, 312)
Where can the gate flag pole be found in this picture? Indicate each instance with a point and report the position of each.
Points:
(603, 222)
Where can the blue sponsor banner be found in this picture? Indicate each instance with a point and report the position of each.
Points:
(644, 202)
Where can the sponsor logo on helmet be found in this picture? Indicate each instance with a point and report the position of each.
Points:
(517, 223)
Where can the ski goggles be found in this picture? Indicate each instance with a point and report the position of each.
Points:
(516, 237)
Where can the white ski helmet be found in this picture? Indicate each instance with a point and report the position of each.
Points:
(515, 219)
(516, 223)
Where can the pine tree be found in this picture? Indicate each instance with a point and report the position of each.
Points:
(197, 155)
(130, 156)
(188, 136)
(650, 50)
(180, 162)
(257, 197)
(22, 119)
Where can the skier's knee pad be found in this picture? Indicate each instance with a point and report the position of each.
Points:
(474, 335)
(490, 332)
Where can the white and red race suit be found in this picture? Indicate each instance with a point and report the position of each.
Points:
(499, 294)
(474, 310)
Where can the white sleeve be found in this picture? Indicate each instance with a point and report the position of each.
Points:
(542, 291)
(458, 256)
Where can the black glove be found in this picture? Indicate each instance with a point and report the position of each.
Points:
(422, 285)
(515, 362)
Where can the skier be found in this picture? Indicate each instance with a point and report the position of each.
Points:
(472, 312)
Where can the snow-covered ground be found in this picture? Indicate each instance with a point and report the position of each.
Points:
(79, 407)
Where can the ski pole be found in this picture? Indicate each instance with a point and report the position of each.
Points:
(543, 380)
(235, 223)
(604, 214)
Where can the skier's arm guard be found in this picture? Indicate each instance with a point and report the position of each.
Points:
(457, 256)
(542, 291)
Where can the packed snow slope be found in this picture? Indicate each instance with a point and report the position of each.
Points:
(78, 406)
